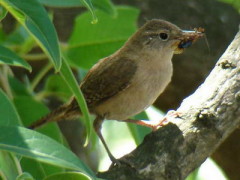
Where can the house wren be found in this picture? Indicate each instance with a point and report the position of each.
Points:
(130, 80)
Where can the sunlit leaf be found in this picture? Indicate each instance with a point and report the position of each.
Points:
(35, 19)
(90, 42)
(73, 85)
(40, 147)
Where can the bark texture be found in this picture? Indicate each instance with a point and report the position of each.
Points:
(207, 118)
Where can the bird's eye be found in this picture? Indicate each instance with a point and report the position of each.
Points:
(163, 36)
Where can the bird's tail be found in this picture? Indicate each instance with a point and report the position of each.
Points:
(63, 112)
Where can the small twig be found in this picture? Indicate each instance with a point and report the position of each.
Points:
(34, 57)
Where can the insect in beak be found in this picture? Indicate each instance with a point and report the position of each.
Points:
(188, 38)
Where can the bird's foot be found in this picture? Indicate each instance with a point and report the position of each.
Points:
(166, 119)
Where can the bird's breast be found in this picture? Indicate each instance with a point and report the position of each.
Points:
(147, 84)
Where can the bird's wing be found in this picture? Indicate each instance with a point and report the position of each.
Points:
(106, 79)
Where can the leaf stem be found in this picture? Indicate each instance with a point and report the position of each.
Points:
(40, 75)
(34, 57)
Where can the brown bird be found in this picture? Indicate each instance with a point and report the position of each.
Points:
(130, 80)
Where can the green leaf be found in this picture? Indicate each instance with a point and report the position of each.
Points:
(56, 85)
(89, 6)
(61, 3)
(30, 110)
(104, 5)
(73, 85)
(9, 166)
(17, 88)
(3, 13)
(8, 113)
(68, 175)
(25, 176)
(35, 19)
(37, 169)
(40, 147)
(10, 58)
(2, 36)
(34, 167)
(91, 42)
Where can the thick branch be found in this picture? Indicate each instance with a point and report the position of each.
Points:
(208, 117)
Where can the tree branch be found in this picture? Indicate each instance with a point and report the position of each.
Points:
(208, 117)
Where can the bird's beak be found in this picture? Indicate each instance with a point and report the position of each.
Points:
(186, 39)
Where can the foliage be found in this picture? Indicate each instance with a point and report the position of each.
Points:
(27, 154)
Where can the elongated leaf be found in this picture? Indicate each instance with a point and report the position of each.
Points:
(89, 6)
(9, 166)
(34, 18)
(8, 113)
(104, 5)
(68, 175)
(40, 147)
(73, 85)
(91, 42)
(10, 58)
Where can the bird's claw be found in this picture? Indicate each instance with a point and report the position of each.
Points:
(166, 119)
